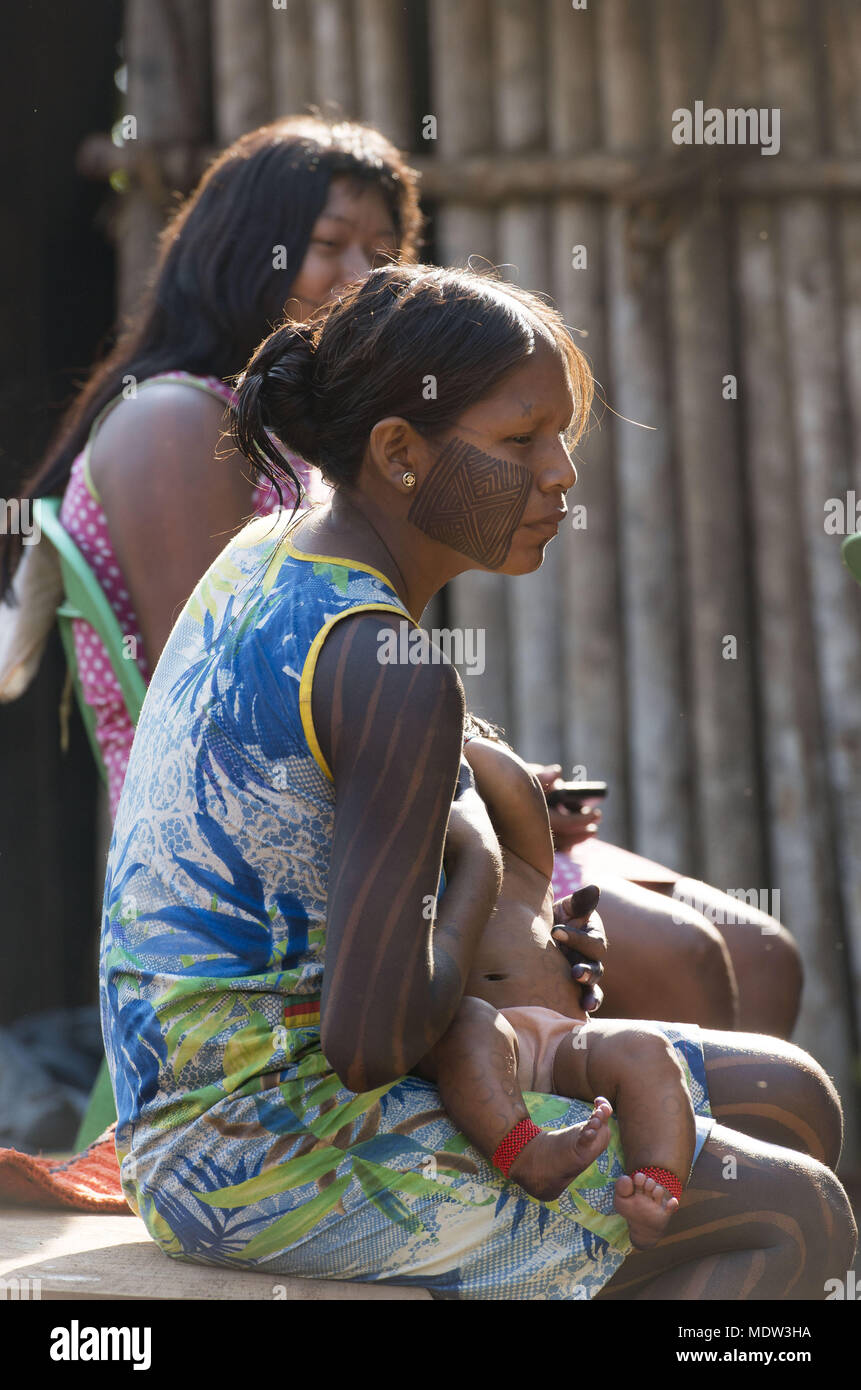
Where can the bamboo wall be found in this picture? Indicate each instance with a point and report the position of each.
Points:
(705, 515)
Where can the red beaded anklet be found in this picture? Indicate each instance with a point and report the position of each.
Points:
(665, 1178)
(515, 1140)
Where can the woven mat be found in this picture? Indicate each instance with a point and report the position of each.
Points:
(89, 1181)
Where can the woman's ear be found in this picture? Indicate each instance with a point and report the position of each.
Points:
(397, 454)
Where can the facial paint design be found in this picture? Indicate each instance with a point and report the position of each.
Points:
(472, 502)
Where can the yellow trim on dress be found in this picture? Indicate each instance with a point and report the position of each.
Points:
(308, 669)
(335, 560)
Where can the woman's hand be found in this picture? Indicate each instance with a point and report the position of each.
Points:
(579, 934)
(569, 828)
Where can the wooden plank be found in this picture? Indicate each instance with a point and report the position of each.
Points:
(843, 66)
(487, 179)
(797, 794)
(461, 103)
(819, 411)
(78, 1255)
(480, 182)
(648, 520)
(334, 57)
(291, 58)
(716, 630)
(240, 67)
(796, 791)
(382, 69)
(166, 54)
(533, 601)
(591, 653)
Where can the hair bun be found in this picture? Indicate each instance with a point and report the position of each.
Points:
(277, 393)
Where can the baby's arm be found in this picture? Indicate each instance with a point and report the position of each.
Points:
(515, 800)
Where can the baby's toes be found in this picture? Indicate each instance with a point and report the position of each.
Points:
(625, 1186)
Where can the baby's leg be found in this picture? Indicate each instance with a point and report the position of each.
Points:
(475, 1066)
(636, 1066)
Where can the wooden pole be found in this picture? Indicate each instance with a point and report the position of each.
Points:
(334, 61)
(717, 637)
(383, 69)
(462, 108)
(533, 601)
(796, 793)
(166, 55)
(463, 111)
(591, 655)
(481, 180)
(648, 522)
(843, 59)
(291, 58)
(812, 322)
(240, 67)
(485, 180)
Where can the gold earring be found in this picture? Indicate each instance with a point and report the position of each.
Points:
(409, 480)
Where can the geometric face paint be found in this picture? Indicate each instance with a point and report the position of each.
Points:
(472, 502)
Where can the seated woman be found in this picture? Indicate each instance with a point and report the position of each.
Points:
(733, 965)
(150, 493)
(270, 971)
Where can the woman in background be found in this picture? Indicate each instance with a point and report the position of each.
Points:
(281, 221)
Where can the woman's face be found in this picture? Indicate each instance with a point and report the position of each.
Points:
(353, 234)
(495, 489)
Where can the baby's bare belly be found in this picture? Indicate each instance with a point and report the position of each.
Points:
(517, 961)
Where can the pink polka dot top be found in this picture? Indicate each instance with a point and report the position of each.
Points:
(84, 519)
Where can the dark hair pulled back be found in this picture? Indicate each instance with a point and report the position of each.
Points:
(414, 341)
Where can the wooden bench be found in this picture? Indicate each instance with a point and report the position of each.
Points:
(81, 1256)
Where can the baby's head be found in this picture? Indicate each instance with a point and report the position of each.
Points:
(476, 727)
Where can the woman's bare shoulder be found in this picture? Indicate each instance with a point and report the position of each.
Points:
(152, 427)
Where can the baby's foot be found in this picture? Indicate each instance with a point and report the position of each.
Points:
(554, 1158)
(646, 1206)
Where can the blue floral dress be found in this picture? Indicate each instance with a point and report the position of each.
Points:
(238, 1145)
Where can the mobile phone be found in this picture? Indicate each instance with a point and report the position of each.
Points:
(573, 795)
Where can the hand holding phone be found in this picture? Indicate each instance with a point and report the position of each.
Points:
(574, 795)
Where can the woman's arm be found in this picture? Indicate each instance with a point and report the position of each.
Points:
(392, 736)
(173, 494)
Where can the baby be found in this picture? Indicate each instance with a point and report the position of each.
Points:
(521, 1027)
